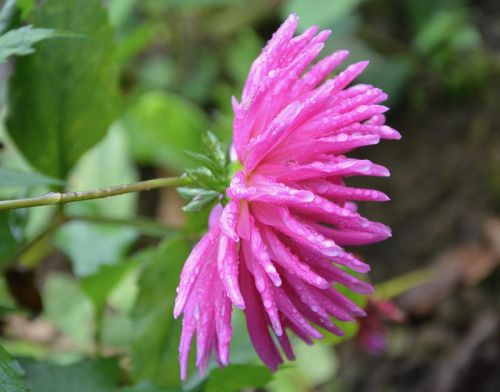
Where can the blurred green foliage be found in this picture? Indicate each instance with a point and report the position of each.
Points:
(11, 374)
(63, 98)
(127, 88)
(98, 376)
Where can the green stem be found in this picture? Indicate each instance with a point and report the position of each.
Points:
(400, 284)
(57, 221)
(99, 321)
(145, 226)
(52, 198)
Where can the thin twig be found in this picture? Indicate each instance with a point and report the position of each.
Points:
(52, 198)
(56, 222)
(143, 225)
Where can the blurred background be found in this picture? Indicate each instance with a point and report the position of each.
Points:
(86, 292)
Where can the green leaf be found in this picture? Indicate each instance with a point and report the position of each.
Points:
(150, 388)
(161, 126)
(315, 365)
(200, 201)
(117, 327)
(91, 245)
(63, 97)
(68, 308)
(189, 193)
(447, 29)
(204, 178)
(120, 11)
(16, 178)
(108, 163)
(20, 41)
(12, 225)
(241, 54)
(25, 6)
(213, 148)
(208, 162)
(236, 377)
(349, 328)
(11, 374)
(100, 375)
(6, 13)
(99, 286)
(213, 174)
(319, 12)
(154, 353)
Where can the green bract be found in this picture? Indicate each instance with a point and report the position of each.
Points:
(210, 180)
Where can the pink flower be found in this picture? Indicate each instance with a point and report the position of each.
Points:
(275, 249)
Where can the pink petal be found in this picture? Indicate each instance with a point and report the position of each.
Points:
(285, 258)
(229, 220)
(200, 254)
(261, 254)
(227, 264)
(223, 327)
(256, 324)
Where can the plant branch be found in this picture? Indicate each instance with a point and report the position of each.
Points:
(145, 226)
(56, 222)
(52, 198)
(400, 284)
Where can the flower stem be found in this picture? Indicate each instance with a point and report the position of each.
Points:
(52, 198)
(145, 226)
(57, 221)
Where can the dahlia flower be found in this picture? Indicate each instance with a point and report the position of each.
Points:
(275, 249)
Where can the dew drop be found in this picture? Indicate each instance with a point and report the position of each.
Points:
(260, 284)
(342, 137)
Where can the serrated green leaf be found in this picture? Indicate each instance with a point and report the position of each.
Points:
(99, 375)
(203, 177)
(20, 41)
(208, 162)
(11, 374)
(189, 193)
(16, 178)
(63, 97)
(213, 148)
(200, 201)
(154, 353)
(236, 377)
